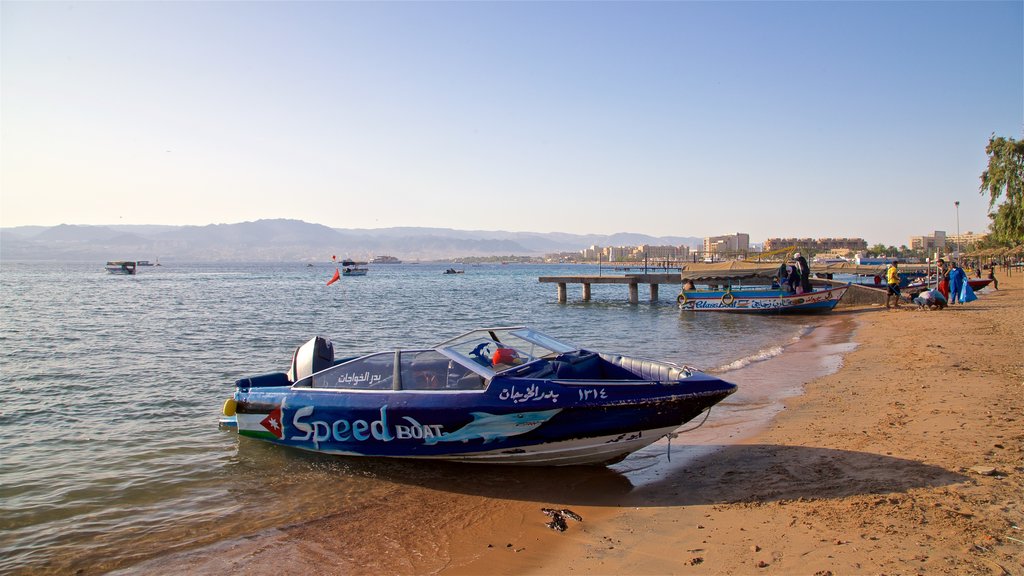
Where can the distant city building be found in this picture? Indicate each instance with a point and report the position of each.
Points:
(964, 240)
(566, 257)
(660, 252)
(937, 241)
(725, 244)
(635, 253)
(618, 253)
(816, 245)
(592, 253)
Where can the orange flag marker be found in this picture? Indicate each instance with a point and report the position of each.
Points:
(335, 278)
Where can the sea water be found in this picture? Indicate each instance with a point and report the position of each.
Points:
(111, 387)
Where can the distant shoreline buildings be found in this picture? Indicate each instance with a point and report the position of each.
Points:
(815, 245)
(738, 246)
(938, 241)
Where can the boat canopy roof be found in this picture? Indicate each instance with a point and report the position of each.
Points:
(732, 270)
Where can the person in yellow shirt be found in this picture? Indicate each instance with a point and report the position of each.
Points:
(892, 281)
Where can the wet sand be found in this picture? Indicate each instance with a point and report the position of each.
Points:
(866, 469)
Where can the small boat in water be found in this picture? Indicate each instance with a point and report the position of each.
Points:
(508, 395)
(750, 288)
(454, 271)
(763, 300)
(129, 267)
(354, 270)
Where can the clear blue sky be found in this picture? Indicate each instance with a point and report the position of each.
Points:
(800, 119)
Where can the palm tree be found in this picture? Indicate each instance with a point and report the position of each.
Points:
(1005, 175)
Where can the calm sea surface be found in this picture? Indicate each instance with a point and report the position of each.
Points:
(111, 387)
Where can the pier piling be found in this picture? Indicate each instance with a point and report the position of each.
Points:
(633, 281)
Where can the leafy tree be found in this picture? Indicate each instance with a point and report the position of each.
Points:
(1005, 175)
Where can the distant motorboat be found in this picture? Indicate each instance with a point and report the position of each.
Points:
(454, 271)
(129, 267)
(354, 271)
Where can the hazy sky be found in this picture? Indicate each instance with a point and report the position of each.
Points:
(800, 119)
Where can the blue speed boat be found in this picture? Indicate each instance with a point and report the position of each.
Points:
(499, 395)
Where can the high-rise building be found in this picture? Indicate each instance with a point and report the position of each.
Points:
(734, 243)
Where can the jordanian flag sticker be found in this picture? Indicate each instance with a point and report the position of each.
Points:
(273, 423)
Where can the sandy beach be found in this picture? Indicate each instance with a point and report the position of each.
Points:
(906, 457)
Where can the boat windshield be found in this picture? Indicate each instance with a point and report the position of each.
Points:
(502, 348)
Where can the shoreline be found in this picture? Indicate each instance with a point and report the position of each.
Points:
(765, 386)
(873, 469)
(503, 512)
(865, 467)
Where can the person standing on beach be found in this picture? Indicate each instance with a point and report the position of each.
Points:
(892, 281)
(805, 272)
(992, 276)
(957, 277)
(943, 274)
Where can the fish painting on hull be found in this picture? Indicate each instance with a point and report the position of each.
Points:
(492, 427)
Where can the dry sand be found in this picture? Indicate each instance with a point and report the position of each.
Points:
(909, 459)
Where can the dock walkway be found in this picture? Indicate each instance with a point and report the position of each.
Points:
(633, 280)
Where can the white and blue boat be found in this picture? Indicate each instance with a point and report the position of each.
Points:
(763, 300)
(747, 287)
(507, 395)
(128, 267)
(354, 270)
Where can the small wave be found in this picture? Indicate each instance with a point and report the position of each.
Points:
(766, 353)
(758, 356)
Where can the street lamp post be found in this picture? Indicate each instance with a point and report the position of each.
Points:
(957, 204)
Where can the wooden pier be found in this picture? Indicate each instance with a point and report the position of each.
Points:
(632, 280)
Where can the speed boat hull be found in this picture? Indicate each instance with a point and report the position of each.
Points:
(567, 407)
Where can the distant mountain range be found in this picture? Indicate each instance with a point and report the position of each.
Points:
(293, 240)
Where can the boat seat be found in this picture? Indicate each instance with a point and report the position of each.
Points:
(583, 367)
(646, 369)
(471, 381)
(430, 374)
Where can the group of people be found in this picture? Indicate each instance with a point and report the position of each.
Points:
(952, 288)
(794, 276)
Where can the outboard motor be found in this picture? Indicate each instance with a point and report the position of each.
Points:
(310, 358)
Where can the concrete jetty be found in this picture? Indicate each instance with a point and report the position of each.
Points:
(632, 280)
